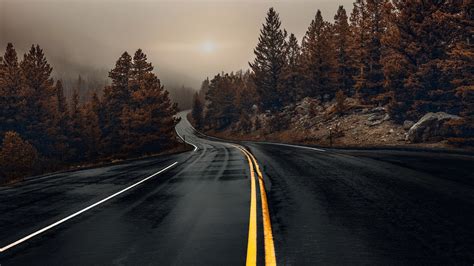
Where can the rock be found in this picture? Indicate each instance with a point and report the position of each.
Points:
(431, 127)
(407, 124)
(377, 110)
(374, 117)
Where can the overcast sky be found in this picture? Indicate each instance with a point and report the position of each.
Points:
(186, 40)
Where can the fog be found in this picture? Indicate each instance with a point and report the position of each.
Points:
(185, 40)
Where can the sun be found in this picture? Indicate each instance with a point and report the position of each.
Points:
(208, 47)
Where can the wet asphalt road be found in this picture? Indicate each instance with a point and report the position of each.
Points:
(327, 207)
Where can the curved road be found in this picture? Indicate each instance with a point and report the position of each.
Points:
(221, 205)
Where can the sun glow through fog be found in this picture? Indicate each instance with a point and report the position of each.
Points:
(208, 47)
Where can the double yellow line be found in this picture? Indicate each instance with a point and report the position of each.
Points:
(270, 258)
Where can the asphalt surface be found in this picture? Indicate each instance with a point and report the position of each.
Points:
(327, 207)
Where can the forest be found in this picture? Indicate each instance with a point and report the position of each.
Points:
(408, 58)
(42, 130)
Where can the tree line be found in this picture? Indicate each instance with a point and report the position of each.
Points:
(411, 56)
(134, 116)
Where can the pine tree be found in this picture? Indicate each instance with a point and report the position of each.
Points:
(61, 124)
(76, 134)
(318, 62)
(246, 95)
(204, 89)
(221, 110)
(359, 24)
(418, 43)
(139, 68)
(369, 23)
(459, 66)
(40, 99)
(148, 120)
(197, 111)
(344, 65)
(17, 157)
(290, 84)
(148, 126)
(12, 116)
(269, 61)
(91, 127)
(116, 97)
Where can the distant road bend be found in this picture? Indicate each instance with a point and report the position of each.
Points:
(247, 203)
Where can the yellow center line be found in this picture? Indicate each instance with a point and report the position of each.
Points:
(270, 258)
(252, 240)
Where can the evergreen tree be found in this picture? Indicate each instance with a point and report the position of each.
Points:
(221, 110)
(203, 90)
(116, 97)
(197, 111)
(246, 95)
(139, 68)
(61, 123)
(76, 133)
(370, 22)
(359, 24)
(418, 43)
(318, 62)
(344, 65)
(12, 99)
(40, 100)
(459, 66)
(91, 127)
(290, 85)
(148, 125)
(18, 158)
(269, 61)
(148, 120)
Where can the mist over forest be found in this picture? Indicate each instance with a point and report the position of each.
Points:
(85, 38)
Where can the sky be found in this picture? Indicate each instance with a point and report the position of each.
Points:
(186, 40)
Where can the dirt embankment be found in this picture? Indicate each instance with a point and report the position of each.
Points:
(313, 123)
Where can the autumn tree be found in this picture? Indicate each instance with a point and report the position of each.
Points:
(115, 98)
(459, 66)
(76, 133)
(148, 120)
(269, 61)
(221, 110)
(318, 61)
(204, 89)
(12, 99)
(415, 63)
(17, 157)
(369, 22)
(289, 87)
(246, 94)
(197, 111)
(91, 132)
(39, 95)
(61, 123)
(140, 68)
(343, 65)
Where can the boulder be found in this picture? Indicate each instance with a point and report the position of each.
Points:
(432, 126)
(407, 124)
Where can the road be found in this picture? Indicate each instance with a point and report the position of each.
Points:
(221, 205)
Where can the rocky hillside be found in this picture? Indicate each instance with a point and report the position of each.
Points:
(347, 124)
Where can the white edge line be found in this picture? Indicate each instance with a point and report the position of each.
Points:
(272, 143)
(195, 147)
(81, 211)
